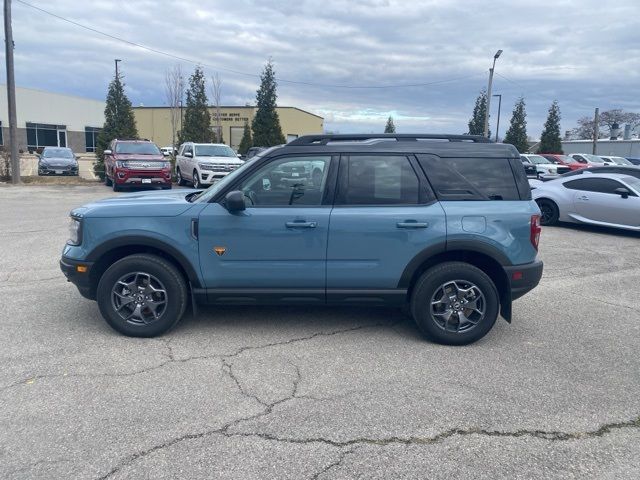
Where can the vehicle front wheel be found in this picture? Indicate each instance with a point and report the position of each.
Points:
(115, 186)
(549, 210)
(142, 296)
(179, 178)
(196, 180)
(455, 303)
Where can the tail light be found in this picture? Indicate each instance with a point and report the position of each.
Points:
(535, 231)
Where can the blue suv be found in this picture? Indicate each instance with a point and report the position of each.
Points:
(443, 225)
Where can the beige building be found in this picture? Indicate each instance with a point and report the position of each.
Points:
(154, 123)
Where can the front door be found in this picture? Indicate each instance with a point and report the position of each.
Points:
(62, 138)
(384, 216)
(277, 246)
(596, 199)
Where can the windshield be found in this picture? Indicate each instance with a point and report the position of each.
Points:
(214, 151)
(57, 153)
(564, 159)
(210, 192)
(142, 148)
(537, 159)
(592, 158)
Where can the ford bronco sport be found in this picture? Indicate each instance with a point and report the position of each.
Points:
(441, 224)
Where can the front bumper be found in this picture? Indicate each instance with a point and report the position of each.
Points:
(65, 171)
(524, 278)
(209, 177)
(81, 279)
(142, 177)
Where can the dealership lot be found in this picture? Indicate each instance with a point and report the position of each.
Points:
(316, 393)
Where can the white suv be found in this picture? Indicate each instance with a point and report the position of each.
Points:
(204, 163)
(544, 167)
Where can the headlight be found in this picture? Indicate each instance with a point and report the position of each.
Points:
(75, 231)
(553, 171)
(166, 165)
(120, 164)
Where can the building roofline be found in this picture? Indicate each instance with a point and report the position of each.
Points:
(49, 92)
(231, 106)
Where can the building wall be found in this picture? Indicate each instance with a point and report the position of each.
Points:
(620, 148)
(154, 123)
(38, 106)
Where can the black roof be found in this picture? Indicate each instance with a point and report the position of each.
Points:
(443, 145)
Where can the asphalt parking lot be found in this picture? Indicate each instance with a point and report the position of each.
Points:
(316, 393)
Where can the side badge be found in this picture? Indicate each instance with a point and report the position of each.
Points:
(219, 250)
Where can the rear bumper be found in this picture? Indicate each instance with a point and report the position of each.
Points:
(524, 278)
(82, 280)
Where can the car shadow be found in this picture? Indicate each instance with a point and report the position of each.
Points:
(600, 229)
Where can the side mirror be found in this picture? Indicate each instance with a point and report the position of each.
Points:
(234, 201)
(107, 152)
(188, 154)
(623, 192)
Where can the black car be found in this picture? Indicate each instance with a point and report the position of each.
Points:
(631, 171)
(57, 161)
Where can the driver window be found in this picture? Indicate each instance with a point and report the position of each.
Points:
(287, 181)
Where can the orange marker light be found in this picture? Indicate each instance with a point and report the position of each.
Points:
(81, 268)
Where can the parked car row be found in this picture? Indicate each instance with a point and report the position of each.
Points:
(548, 166)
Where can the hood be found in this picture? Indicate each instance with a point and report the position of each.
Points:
(156, 203)
(229, 160)
(60, 161)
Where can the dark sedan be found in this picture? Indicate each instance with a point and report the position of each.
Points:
(57, 161)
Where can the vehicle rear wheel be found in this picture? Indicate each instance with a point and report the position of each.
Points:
(142, 296)
(196, 180)
(455, 303)
(549, 210)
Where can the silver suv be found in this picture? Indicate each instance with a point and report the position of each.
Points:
(202, 164)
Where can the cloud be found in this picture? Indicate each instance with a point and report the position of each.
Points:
(585, 54)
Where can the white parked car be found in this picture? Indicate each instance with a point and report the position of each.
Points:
(202, 164)
(544, 166)
(166, 151)
(606, 199)
(613, 160)
(588, 159)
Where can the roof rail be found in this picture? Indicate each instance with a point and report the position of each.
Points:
(402, 137)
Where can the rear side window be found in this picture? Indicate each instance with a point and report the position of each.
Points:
(471, 178)
(378, 180)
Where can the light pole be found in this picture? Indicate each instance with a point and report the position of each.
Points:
(499, 95)
(486, 116)
(11, 95)
(116, 61)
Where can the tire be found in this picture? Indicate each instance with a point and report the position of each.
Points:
(445, 281)
(166, 187)
(107, 180)
(196, 181)
(115, 186)
(142, 270)
(181, 181)
(550, 212)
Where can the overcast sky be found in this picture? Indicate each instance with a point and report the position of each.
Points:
(584, 53)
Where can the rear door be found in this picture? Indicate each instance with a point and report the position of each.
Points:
(384, 215)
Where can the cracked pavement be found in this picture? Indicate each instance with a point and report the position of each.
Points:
(317, 393)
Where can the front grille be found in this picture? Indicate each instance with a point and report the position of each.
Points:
(219, 167)
(141, 165)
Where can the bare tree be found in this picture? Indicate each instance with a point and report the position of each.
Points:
(174, 87)
(216, 84)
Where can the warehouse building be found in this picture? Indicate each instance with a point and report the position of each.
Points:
(620, 148)
(154, 123)
(52, 119)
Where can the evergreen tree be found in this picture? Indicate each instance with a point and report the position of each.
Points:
(476, 124)
(517, 133)
(550, 141)
(390, 126)
(267, 131)
(246, 143)
(119, 122)
(197, 119)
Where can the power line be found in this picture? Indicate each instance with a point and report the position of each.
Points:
(224, 69)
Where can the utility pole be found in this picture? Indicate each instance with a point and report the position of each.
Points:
(11, 94)
(486, 115)
(117, 60)
(499, 95)
(596, 131)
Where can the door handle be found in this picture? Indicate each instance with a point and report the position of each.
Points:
(583, 197)
(301, 224)
(412, 224)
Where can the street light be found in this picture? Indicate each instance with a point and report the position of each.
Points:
(499, 106)
(486, 116)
